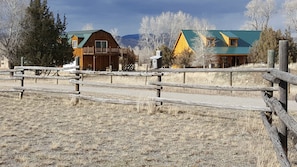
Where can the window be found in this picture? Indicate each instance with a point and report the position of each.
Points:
(233, 42)
(210, 42)
(101, 46)
(74, 44)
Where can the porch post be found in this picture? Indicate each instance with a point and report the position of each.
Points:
(94, 63)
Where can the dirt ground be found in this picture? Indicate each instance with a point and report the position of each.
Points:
(47, 130)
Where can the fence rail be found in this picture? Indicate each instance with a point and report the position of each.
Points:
(77, 80)
(220, 88)
(187, 70)
(33, 89)
(141, 74)
(18, 73)
(8, 71)
(278, 135)
(120, 86)
(284, 76)
(46, 77)
(277, 107)
(276, 141)
(213, 105)
(20, 68)
(158, 86)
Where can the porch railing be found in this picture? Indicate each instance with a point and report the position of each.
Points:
(92, 50)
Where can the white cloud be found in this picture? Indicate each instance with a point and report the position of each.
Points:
(88, 26)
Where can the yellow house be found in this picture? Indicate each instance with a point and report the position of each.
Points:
(229, 47)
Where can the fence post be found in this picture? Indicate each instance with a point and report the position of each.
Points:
(146, 70)
(270, 64)
(159, 89)
(75, 99)
(184, 76)
(22, 79)
(110, 70)
(77, 74)
(283, 91)
(270, 58)
(22, 84)
(231, 80)
(22, 61)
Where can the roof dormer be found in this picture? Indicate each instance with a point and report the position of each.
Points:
(210, 42)
(230, 38)
(208, 39)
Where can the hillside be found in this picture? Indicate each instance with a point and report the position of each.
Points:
(130, 40)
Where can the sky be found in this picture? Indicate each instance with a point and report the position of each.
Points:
(126, 15)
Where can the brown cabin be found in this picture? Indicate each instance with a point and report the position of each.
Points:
(97, 49)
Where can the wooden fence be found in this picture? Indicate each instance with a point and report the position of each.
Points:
(279, 135)
(274, 76)
(158, 86)
(22, 73)
(76, 77)
(8, 75)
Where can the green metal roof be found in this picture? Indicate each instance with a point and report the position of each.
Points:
(85, 35)
(229, 34)
(245, 40)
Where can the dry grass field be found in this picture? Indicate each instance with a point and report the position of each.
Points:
(43, 130)
(47, 130)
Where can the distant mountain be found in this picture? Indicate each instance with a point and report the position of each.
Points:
(130, 40)
(133, 39)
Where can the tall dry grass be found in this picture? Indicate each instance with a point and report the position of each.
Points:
(43, 130)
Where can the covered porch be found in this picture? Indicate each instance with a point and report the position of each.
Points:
(226, 61)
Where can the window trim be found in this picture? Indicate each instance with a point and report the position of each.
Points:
(235, 44)
(74, 43)
(210, 42)
(101, 49)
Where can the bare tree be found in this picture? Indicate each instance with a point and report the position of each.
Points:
(259, 13)
(203, 48)
(11, 14)
(184, 59)
(164, 30)
(115, 33)
(290, 9)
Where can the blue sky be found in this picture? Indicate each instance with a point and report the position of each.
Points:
(126, 15)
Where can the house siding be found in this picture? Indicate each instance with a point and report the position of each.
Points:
(181, 45)
(226, 38)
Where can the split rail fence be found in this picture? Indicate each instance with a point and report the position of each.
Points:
(21, 74)
(278, 135)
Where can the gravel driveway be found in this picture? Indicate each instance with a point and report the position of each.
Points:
(228, 100)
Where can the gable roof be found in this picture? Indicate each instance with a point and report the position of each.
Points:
(245, 40)
(230, 34)
(85, 35)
